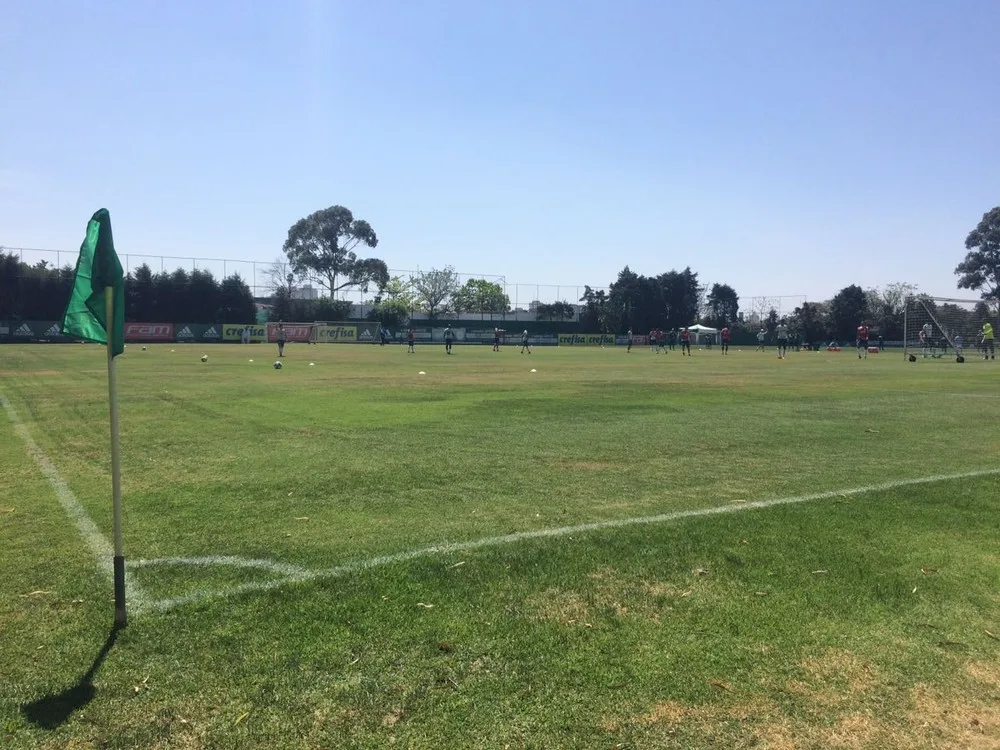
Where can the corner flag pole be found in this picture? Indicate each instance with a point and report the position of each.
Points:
(121, 618)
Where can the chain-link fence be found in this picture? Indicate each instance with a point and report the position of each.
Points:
(755, 310)
(265, 278)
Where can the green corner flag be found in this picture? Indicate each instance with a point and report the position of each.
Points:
(97, 269)
(96, 312)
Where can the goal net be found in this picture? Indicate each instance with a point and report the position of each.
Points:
(936, 327)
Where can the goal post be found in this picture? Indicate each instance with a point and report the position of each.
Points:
(936, 327)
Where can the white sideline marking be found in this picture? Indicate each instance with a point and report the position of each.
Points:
(285, 569)
(300, 575)
(99, 545)
(988, 396)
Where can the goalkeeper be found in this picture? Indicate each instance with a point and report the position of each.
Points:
(987, 341)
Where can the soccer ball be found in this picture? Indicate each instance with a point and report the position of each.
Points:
(277, 365)
(144, 348)
(204, 358)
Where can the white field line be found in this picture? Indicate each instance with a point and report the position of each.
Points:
(98, 544)
(444, 549)
(987, 396)
(279, 568)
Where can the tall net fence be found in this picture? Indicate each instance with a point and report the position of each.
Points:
(756, 310)
(937, 327)
(264, 278)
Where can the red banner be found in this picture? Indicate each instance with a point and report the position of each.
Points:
(149, 331)
(293, 332)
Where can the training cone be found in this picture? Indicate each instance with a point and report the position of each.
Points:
(421, 373)
(533, 370)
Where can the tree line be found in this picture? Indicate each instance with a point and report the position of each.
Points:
(322, 248)
(40, 292)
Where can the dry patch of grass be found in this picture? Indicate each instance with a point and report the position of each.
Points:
(840, 668)
(936, 718)
(614, 595)
(955, 722)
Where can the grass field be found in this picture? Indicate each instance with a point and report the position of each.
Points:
(615, 551)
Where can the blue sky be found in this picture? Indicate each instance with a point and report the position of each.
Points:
(784, 148)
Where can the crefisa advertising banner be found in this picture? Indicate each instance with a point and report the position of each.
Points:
(586, 339)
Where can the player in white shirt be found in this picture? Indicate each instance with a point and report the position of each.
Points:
(782, 333)
(926, 339)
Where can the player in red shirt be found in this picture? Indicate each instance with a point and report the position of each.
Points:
(725, 333)
(685, 341)
(862, 340)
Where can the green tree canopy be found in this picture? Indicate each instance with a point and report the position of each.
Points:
(394, 304)
(321, 247)
(561, 310)
(434, 289)
(480, 296)
(980, 270)
(848, 309)
(723, 306)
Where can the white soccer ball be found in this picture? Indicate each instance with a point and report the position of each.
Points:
(278, 365)
(204, 358)
(144, 348)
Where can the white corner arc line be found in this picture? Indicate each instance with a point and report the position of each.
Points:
(99, 546)
(164, 605)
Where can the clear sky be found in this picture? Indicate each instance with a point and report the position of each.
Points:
(781, 146)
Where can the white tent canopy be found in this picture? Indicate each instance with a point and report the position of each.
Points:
(703, 333)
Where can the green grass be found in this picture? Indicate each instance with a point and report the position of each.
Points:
(862, 620)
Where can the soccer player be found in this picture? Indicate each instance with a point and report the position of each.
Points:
(958, 345)
(989, 344)
(782, 333)
(761, 335)
(862, 342)
(449, 335)
(496, 338)
(926, 339)
(725, 334)
(629, 338)
(661, 338)
(524, 342)
(383, 334)
(685, 341)
(281, 340)
(409, 342)
(652, 340)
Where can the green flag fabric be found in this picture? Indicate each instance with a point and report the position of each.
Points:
(97, 268)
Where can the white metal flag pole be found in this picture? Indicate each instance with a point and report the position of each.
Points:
(121, 618)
